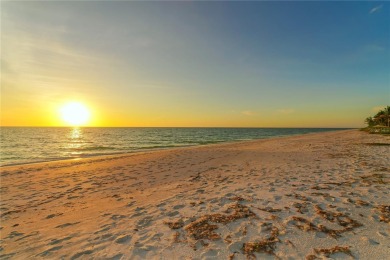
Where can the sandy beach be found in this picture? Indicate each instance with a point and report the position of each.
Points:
(311, 196)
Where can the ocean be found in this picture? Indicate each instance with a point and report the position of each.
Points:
(20, 145)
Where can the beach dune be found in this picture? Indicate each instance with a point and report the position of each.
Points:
(308, 196)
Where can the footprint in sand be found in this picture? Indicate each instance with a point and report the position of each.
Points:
(54, 215)
(235, 247)
(277, 198)
(123, 239)
(172, 213)
(145, 222)
(117, 217)
(80, 254)
(67, 225)
(178, 206)
(370, 241)
(14, 234)
(105, 228)
(130, 204)
(210, 254)
(49, 251)
(34, 233)
(116, 257)
(382, 234)
(57, 241)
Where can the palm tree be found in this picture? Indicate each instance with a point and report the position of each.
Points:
(380, 123)
(369, 121)
(381, 117)
(387, 114)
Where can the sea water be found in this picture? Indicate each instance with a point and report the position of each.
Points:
(36, 144)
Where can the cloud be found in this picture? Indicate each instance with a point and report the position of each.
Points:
(248, 113)
(286, 111)
(375, 9)
(374, 48)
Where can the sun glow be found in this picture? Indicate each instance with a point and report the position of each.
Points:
(75, 114)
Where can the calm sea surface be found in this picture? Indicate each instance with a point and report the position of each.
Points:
(34, 144)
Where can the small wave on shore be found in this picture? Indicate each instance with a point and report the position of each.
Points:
(32, 144)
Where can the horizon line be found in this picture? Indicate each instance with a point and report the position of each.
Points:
(335, 127)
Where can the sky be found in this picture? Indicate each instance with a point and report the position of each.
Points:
(195, 64)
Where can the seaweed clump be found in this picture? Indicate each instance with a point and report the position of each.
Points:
(237, 198)
(376, 178)
(203, 229)
(337, 249)
(269, 209)
(174, 224)
(301, 207)
(267, 245)
(306, 225)
(385, 210)
(342, 219)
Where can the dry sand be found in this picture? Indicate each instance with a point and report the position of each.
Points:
(310, 196)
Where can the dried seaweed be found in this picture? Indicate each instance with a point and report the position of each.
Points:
(376, 178)
(385, 213)
(298, 196)
(269, 209)
(301, 207)
(325, 195)
(288, 242)
(237, 198)
(378, 144)
(342, 219)
(228, 239)
(263, 246)
(272, 217)
(306, 225)
(337, 249)
(202, 229)
(240, 211)
(176, 237)
(321, 187)
(311, 257)
(266, 245)
(174, 224)
(362, 203)
(338, 183)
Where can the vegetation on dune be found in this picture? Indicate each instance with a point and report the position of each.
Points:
(382, 118)
(380, 123)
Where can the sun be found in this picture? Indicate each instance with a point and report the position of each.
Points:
(75, 114)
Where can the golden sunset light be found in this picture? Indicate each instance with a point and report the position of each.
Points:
(195, 129)
(75, 114)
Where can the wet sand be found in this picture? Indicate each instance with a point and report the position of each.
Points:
(310, 196)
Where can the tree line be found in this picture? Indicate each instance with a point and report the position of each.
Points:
(382, 118)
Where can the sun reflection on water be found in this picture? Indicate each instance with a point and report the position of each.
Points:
(76, 142)
(75, 133)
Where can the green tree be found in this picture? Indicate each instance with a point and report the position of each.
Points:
(369, 121)
(387, 115)
(383, 117)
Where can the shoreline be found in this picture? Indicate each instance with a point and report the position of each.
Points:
(163, 149)
(301, 196)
